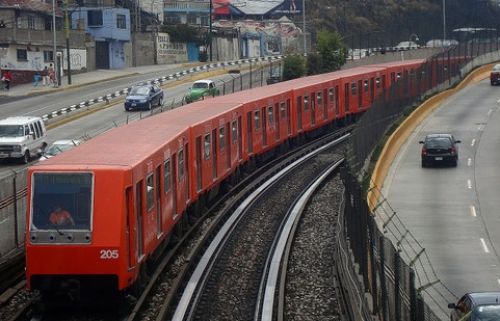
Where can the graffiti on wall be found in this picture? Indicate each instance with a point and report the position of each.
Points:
(77, 57)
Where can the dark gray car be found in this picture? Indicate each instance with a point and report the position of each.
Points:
(439, 148)
(479, 306)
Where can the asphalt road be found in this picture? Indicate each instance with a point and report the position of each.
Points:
(454, 212)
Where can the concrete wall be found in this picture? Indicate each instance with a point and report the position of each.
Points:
(225, 48)
(142, 49)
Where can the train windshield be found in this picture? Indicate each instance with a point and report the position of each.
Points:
(62, 201)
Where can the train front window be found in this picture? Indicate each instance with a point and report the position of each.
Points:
(61, 201)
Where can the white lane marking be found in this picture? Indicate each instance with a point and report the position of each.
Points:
(469, 162)
(473, 210)
(480, 128)
(489, 112)
(498, 101)
(3, 221)
(473, 142)
(469, 183)
(498, 280)
(485, 247)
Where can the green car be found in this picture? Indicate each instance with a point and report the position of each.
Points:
(200, 89)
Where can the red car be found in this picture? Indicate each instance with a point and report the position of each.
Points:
(495, 75)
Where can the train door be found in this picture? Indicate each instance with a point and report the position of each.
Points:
(131, 229)
(326, 103)
(277, 121)
(347, 91)
(225, 133)
(288, 118)
(313, 108)
(361, 90)
(159, 213)
(372, 90)
(199, 151)
(138, 210)
(214, 153)
(264, 127)
(175, 181)
(299, 113)
(249, 133)
(240, 142)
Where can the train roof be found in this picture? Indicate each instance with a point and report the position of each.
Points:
(131, 144)
(401, 63)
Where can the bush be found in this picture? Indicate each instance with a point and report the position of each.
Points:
(314, 64)
(294, 67)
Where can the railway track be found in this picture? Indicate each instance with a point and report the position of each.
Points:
(160, 295)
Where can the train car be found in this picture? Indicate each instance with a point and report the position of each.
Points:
(99, 212)
(404, 77)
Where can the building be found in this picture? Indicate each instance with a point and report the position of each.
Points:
(26, 38)
(110, 27)
(187, 12)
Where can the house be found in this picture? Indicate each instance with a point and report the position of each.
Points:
(26, 37)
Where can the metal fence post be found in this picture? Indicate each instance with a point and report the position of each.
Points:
(261, 75)
(373, 262)
(383, 285)
(233, 84)
(413, 296)
(397, 279)
(241, 82)
(223, 88)
(420, 308)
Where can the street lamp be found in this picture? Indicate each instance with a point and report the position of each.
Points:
(444, 22)
(304, 24)
(54, 52)
(210, 29)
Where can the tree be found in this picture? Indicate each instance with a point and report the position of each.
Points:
(294, 67)
(314, 64)
(331, 49)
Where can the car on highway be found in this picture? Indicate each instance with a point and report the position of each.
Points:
(201, 89)
(479, 306)
(495, 75)
(22, 137)
(439, 148)
(405, 45)
(59, 146)
(144, 97)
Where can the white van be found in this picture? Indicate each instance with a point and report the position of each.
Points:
(22, 137)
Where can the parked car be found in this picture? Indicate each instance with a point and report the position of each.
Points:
(200, 89)
(58, 147)
(405, 45)
(439, 148)
(144, 97)
(495, 75)
(22, 137)
(479, 306)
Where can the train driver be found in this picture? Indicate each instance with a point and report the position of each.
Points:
(61, 217)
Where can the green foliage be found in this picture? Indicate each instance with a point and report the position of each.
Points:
(294, 67)
(331, 49)
(314, 64)
(183, 33)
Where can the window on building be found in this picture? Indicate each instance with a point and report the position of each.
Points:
(31, 22)
(48, 56)
(94, 18)
(121, 22)
(48, 23)
(173, 19)
(191, 19)
(204, 21)
(22, 54)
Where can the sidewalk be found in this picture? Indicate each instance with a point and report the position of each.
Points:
(92, 77)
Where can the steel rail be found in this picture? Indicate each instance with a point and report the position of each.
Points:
(265, 306)
(190, 296)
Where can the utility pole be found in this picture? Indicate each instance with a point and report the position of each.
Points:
(444, 22)
(304, 24)
(54, 53)
(210, 29)
(66, 29)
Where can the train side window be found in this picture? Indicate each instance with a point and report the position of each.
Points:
(166, 175)
(377, 82)
(234, 131)
(222, 140)
(353, 89)
(207, 146)
(306, 103)
(150, 189)
(331, 95)
(257, 119)
(365, 85)
(282, 111)
(181, 164)
(319, 97)
(270, 115)
(398, 76)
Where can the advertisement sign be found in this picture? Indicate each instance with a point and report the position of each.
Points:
(169, 52)
(289, 7)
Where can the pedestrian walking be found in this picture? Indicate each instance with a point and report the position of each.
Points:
(45, 76)
(6, 79)
(52, 75)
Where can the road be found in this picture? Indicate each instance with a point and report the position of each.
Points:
(453, 212)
